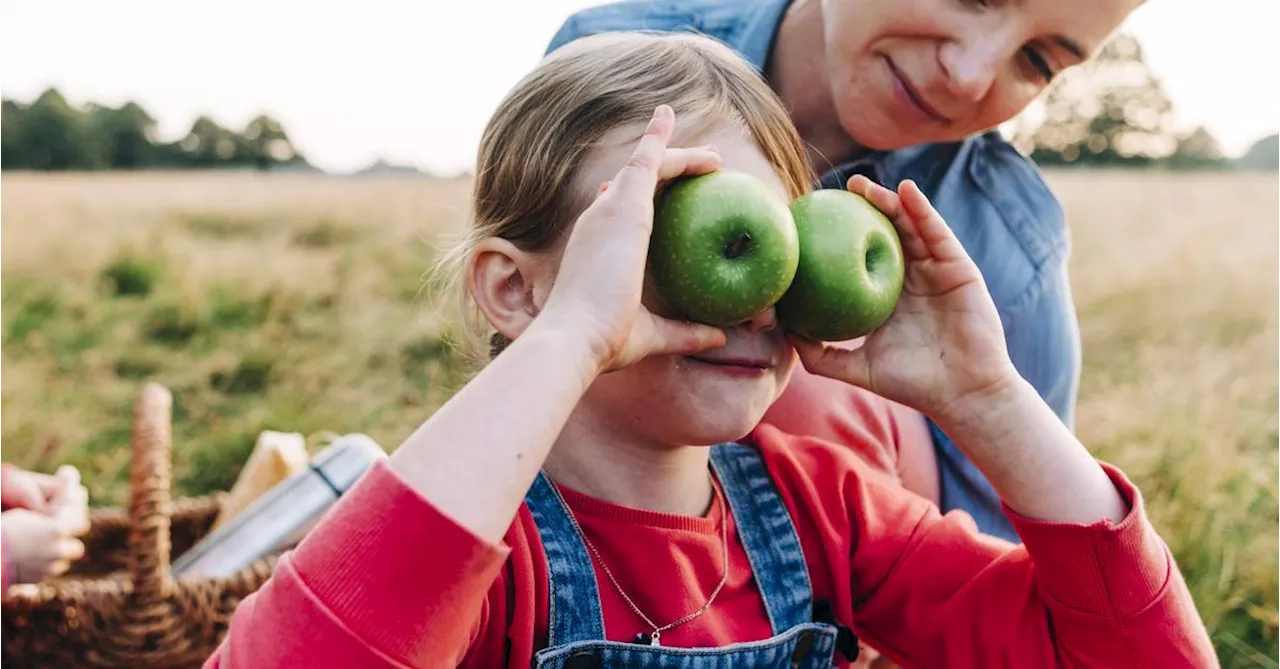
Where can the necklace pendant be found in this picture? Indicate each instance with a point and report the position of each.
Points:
(648, 639)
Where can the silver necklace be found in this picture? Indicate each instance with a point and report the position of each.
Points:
(655, 636)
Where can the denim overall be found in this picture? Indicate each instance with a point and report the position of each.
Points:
(576, 624)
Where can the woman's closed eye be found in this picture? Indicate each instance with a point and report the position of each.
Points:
(1032, 55)
(1038, 63)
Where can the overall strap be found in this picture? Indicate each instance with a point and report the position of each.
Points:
(575, 614)
(767, 533)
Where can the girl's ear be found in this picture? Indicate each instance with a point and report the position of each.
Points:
(507, 285)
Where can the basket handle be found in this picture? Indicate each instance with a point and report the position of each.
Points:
(147, 619)
(149, 507)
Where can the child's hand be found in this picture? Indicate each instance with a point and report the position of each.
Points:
(70, 504)
(944, 344)
(597, 290)
(40, 545)
(25, 489)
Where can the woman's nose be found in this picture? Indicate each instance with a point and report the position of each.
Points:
(763, 321)
(970, 68)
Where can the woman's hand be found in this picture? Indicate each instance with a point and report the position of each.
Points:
(944, 344)
(598, 286)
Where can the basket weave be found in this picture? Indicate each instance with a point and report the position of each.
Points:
(119, 606)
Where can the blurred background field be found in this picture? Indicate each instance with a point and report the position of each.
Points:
(251, 226)
(296, 302)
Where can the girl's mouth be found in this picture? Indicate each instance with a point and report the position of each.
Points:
(748, 367)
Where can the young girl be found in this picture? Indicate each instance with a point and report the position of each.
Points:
(600, 494)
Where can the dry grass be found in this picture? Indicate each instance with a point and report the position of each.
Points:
(294, 303)
(1175, 280)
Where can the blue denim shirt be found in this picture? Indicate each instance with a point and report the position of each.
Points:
(992, 196)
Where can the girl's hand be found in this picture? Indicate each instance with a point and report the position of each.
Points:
(944, 346)
(70, 504)
(29, 490)
(40, 545)
(597, 289)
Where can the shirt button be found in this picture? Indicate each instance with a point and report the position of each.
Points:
(583, 659)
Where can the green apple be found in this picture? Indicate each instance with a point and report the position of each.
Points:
(724, 247)
(851, 268)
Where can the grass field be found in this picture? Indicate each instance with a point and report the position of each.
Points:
(295, 303)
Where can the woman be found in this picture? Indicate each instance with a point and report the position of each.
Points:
(913, 89)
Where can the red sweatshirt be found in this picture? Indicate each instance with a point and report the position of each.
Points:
(887, 436)
(387, 580)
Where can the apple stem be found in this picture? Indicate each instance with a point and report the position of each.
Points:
(738, 246)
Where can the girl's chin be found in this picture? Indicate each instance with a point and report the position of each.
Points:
(715, 438)
(716, 424)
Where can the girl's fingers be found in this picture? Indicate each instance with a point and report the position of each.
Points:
(884, 199)
(69, 549)
(695, 160)
(890, 204)
(24, 492)
(928, 223)
(673, 337)
(57, 568)
(848, 365)
(74, 521)
(639, 177)
(681, 162)
(50, 486)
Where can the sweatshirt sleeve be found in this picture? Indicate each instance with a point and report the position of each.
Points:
(384, 580)
(1106, 594)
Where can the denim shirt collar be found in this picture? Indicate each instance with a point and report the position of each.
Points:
(756, 45)
(761, 29)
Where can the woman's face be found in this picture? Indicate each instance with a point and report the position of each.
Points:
(906, 72)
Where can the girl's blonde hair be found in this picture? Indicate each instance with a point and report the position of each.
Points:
(525, 188)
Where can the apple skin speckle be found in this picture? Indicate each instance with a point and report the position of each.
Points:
(697, 222)
(851, 268)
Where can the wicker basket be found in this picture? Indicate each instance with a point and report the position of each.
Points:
(119, 606)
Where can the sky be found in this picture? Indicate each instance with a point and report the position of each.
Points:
(413, 81)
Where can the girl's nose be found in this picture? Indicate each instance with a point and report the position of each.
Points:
(763, 321)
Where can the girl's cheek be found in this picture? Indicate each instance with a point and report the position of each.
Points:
(651, 300)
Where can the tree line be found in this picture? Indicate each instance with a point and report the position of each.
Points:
(50, 134)
(1111, 111)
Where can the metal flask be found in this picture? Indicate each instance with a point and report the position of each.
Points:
(283, 515)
